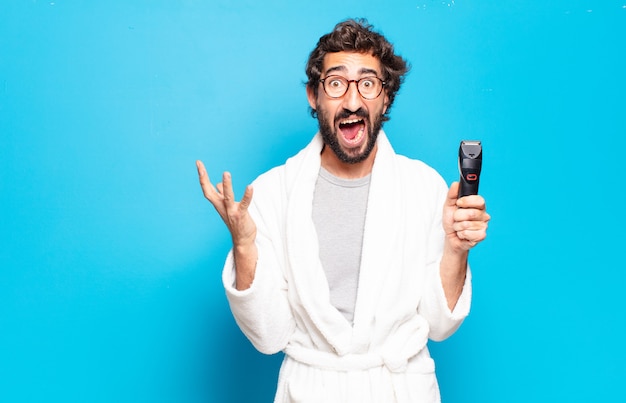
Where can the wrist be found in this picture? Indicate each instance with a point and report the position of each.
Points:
(243, 246)
(454, 248)
(245, 255)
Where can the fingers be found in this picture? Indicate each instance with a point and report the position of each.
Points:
(471, 214)
(222, 195)
(227, 188)
(468, 219)
(224, 189)
(471, 237)
(470, 232)
(471, 225)
(472, 201)
(207, 187)
(246, 199)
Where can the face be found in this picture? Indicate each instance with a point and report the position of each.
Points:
(349, 125)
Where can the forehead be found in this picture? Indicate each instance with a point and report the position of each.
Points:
(351, 63)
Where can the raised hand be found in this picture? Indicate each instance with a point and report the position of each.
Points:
(238, 220)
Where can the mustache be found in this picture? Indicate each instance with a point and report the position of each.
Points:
(344, 114)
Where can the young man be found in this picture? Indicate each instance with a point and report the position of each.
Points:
(350, 257)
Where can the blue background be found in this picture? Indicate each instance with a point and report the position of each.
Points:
(110, 258)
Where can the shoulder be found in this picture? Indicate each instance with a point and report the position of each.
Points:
(298, 173)
(418, 171)
(409, 169)
(268, 191)
(272, 188)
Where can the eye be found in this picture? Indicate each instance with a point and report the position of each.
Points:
(336, 83)
(367, 83)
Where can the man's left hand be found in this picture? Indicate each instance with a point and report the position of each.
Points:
(465, 220)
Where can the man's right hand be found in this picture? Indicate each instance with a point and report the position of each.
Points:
(239, 222)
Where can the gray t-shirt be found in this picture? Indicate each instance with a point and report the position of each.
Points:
(339, 207)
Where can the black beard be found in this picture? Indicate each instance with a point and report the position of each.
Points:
(330, 137)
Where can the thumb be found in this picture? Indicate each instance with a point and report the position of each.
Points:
(453, 195)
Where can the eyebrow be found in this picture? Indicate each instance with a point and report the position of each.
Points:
(362, 71)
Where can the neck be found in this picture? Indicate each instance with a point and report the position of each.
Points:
(341, 169)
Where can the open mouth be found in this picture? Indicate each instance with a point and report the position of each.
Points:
(352, 130)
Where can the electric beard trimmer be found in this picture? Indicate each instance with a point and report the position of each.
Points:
(470, 164)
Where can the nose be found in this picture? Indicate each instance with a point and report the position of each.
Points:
(352, 99)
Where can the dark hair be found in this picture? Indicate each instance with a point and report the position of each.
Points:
(357, 35)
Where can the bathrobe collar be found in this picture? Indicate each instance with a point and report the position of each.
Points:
(382, 232)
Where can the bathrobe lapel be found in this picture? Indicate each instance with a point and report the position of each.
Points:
(306, 271)
(381, 243)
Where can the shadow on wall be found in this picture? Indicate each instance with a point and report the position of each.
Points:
(234, 361)
(228, 368)
(222, 365)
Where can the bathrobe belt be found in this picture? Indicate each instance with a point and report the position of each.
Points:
(349, 362)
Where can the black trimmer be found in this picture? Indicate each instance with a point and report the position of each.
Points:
(470, 164)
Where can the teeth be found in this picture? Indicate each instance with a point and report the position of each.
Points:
(347, 122)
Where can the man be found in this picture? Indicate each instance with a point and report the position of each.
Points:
(349, 256)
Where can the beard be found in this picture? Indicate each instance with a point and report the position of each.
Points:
(330, 135)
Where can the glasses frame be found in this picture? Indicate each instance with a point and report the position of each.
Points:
(382, 86)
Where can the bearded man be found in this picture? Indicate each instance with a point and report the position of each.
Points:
(350, 257)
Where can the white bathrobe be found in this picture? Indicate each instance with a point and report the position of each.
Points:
(382, 356)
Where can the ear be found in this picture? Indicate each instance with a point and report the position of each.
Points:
(386, 103)
(311, 97)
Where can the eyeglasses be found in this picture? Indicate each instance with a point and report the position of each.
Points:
(368, 87)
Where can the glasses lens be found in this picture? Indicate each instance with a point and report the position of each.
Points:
(370, 87)
(335, 86)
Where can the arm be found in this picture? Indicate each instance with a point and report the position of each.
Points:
(237, 218)
(255, 287)
(465, 225)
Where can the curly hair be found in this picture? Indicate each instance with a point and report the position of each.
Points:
(357, 35)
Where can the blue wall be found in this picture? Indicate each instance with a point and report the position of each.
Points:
(110, 258)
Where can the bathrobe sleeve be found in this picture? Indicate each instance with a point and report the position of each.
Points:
(434, 306)
(262, 311)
